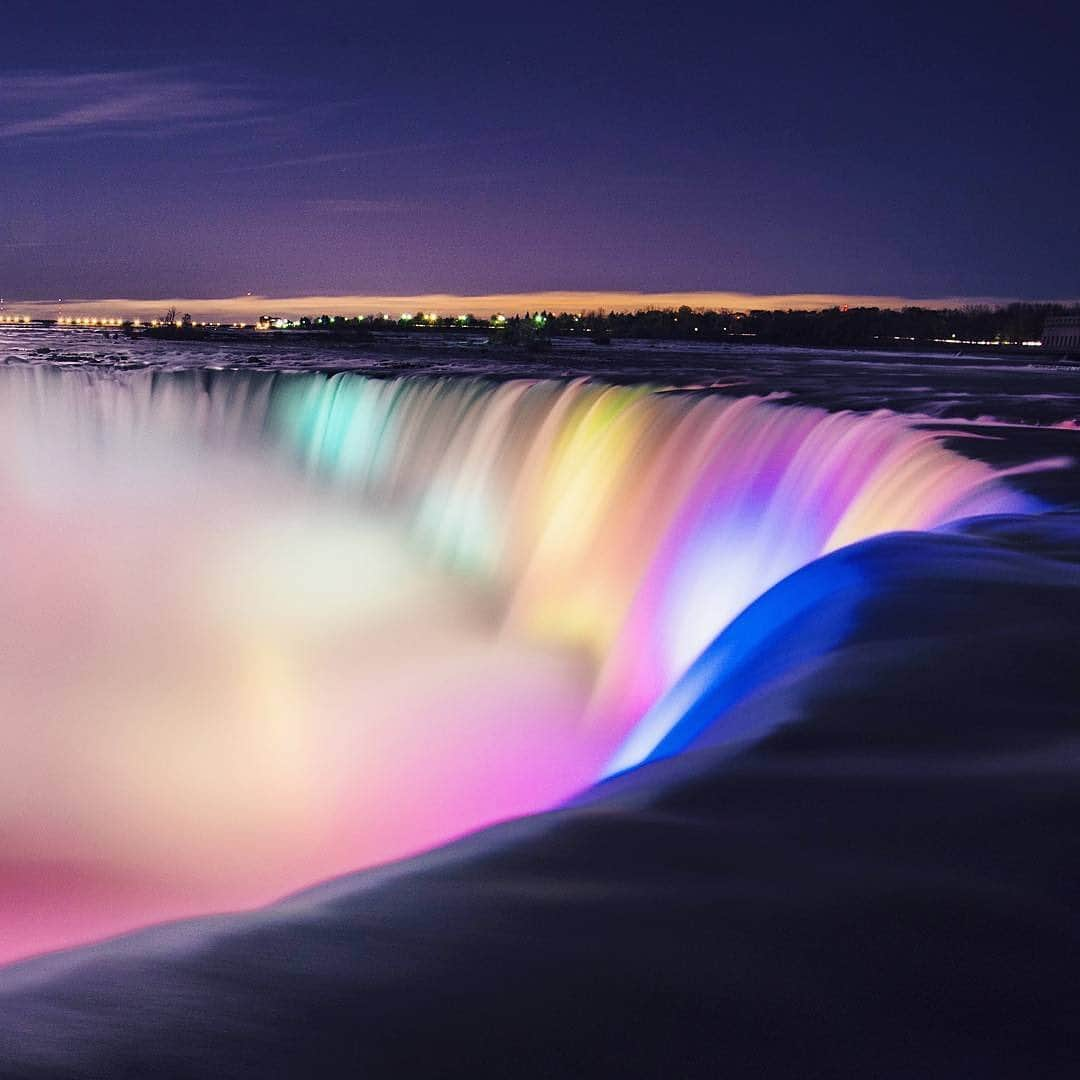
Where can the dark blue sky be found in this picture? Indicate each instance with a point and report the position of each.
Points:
(205, 149)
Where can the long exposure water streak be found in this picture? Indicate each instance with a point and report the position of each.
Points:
(264, 628)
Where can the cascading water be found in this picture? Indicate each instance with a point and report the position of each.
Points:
(631, 523)
(260, 629)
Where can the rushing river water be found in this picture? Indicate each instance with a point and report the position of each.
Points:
(277, 613)
(239, 595)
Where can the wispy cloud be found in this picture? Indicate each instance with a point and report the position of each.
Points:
(363, 153)
(116, 103)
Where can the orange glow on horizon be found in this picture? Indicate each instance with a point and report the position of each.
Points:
(248, 309)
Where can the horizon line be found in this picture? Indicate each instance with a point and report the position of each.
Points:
(250, 307)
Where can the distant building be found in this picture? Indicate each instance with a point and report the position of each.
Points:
(1062, 333)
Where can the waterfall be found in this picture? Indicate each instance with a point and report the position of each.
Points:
(262, 628)
(631, 523)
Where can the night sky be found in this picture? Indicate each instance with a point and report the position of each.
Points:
(284, 148)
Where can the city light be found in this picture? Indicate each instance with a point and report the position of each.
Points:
(86, 321)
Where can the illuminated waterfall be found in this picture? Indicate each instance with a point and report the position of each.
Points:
(631, 523)
(264, 628)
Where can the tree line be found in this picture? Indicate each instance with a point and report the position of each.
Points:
(1010, 324)
(831, 327)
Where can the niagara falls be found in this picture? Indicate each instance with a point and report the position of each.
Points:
(300, 569)
(539, 542)
(280, 620)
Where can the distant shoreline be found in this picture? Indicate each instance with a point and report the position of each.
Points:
(1017, 329)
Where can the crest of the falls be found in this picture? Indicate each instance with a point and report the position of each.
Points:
(631, 523)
